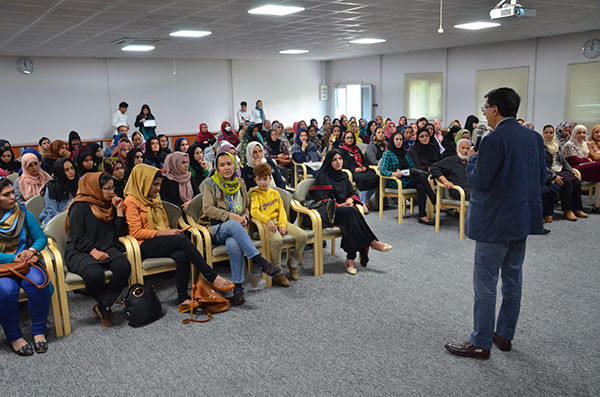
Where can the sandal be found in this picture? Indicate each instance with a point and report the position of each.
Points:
(350, 270)
(228, 286)
(188, 306)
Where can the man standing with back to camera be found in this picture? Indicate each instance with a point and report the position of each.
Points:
(505, 207)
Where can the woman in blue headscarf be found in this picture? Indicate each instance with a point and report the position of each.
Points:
(304, 151)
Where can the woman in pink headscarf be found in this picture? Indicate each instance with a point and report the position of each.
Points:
(122, 150)
(33, 179)
(390, 128)
(176, 187)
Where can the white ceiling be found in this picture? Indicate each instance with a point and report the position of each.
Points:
(85, 28)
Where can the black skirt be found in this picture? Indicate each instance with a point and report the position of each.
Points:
(366, 180)
(356, 233)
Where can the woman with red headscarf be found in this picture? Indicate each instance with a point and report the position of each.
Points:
(204, 138)
(227, 134)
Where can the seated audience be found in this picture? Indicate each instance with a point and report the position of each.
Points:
(451, 170)
(138, 140)
(115, 168)
(408, 137)
(471, 123)
(285, 142)
(255, 155)
(134, 157)
(353, 128)
(313, 138)
(44, 145)
(204, 138)
(425, 152)
(164, 143)
(333, 140)
(95, 222)
(324, 131)
(577, 153)
(228, 134)
(57, 150)
(59, 191)
(8, 162)
(563, 133)
(199, 167)
(32, 180)
(154, 155)
(462, 134)
(148, 223)
(593, 143)
(182, 145)
(397, 163)
(176, 187)
(251, 135)
(278, 151)
(390, 128)
(123, 148)
(225, 211)
(21, 238)
(449, 142)
(402, 121)
(377, 145)
(561, 174)
(332, 183)
(121, 134)
(365, 178)
(85, 161)
(305, 152)
(267, 207)
(225, 146)
(140, 122)
(97, 153)
(74, 141)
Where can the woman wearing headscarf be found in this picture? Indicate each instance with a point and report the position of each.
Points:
(462, 134)
(204, 138)
(577, 153)
(116, 139)
(97, 153)
(314, 139)
(563, 133)
(21, 238)
(376, 147)
(149, 224)
(390, 128)
(199, 168)
(255, 155)
(59, 191)
(154, 155)
(334, 139)
(182, 145)
(593, 143)
(365, 178)
(176, 187)
(344, 123)
(94, 224)
(44, 145)
(251, 135)
(163, 140)
(123, 148)
(332, 183)
(228, 135)
(407, 136)
(363, 132)
(138, 140)
(449, 142)
(134, 157)
(304, 152)
(57, 150)
(285, 143)
(402, 121)
(225, 146)
(471, 123)
(561, 174)
(396, 160)
(8, 162)
(32, 180)
(370, 130)
(85, 162)
(314, 123)
(142, 118)
(425, 152)
(225, 212)
(115, 168)
(74, 141)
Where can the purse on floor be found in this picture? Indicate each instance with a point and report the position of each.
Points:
(204, 296)
(21, 269)
(142, 305)
(325, 208)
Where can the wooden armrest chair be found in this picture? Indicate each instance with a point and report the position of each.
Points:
(65, 280)
(444, 200)
(401, 194)
(590, 187)
(13, 177)
(305, 174)
(36, 205)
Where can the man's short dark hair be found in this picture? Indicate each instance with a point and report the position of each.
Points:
(123, 105)
(506, 99)
(243, 103)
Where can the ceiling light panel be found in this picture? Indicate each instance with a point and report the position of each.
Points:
(271, 9)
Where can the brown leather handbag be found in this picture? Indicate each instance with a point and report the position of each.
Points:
(21, 269)
(284, 159)
(203, 295)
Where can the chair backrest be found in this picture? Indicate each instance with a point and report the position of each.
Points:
(13, 177)
(194, 208)
(286, 197)
(36, 205)
(173, 212)
(362, 146)
(302, 189)
(55, 229)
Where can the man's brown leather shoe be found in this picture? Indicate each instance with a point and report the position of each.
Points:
(503, 344)
(466, 349)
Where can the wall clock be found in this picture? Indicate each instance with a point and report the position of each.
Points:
(25, 65)
(591, 49)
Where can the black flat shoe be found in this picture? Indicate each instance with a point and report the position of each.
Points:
(238, 296)
(595, 210)
(25, 351)
(40, 347)
(429, 222)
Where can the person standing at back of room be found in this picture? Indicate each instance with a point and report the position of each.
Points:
(146, 122)
(505, 207)
(258, 114)
(243, 115)
(119, 117)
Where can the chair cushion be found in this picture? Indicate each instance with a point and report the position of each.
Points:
(72, 278)
(152, 263)
(453, 202)
(310, 234)
(221, 250)
(332, 231)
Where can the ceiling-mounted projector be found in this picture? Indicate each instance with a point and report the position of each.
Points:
(505, 10)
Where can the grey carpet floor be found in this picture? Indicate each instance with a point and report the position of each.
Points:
(380, 332)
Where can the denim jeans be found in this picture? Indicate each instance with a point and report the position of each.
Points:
(505, 258)
(238, 242)
(38, 304)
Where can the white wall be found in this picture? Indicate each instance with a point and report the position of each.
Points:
(80, 94)
(546, 57)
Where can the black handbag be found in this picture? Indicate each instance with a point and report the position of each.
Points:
(142, 305)
(325, 208)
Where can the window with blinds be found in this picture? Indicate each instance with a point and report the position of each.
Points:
(515, 78)
(582, 99)
(423, 95)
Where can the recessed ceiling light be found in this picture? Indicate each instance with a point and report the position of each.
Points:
(271, 9)
(138, 47)
(190, 33)
(368, 41)
(293, 52)
(477, 25)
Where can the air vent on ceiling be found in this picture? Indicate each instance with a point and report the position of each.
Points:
(133, 40)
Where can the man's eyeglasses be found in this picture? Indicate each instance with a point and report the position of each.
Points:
(484, 107)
